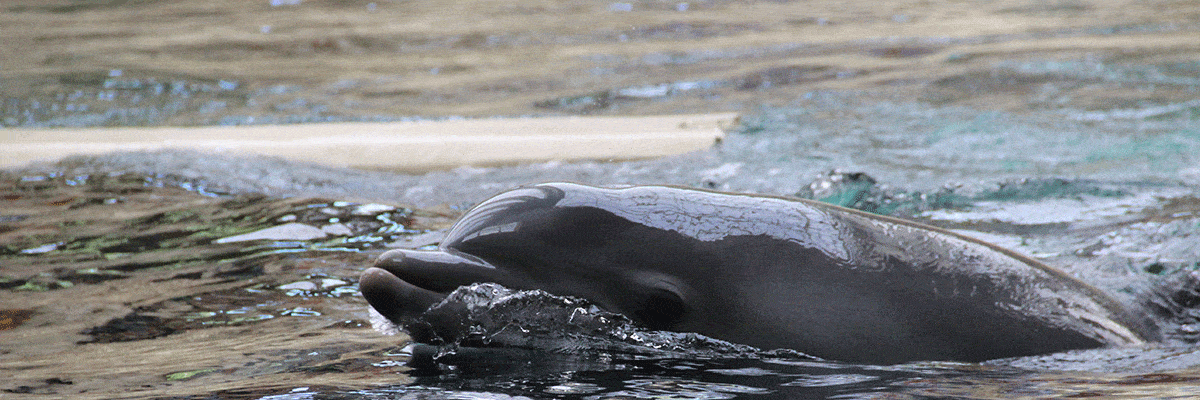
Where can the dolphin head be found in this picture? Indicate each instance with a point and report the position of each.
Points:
(528, 239)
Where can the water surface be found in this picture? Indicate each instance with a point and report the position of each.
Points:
(1068, 131)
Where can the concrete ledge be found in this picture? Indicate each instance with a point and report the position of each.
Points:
(421, 145)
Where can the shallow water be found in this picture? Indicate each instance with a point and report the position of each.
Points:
(1067, 131)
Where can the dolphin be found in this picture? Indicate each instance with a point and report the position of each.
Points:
(766, 271)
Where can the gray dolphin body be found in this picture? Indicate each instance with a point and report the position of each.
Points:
(765, 271)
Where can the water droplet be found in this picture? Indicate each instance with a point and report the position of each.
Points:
(41, 249)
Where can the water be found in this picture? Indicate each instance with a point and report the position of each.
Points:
(282, 317)
(705, 379)
(109, 227)
(1082, 154)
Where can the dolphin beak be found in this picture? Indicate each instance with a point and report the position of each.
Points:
(405, 283)
(393, 297)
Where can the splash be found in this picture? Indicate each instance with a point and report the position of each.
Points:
(487, 315)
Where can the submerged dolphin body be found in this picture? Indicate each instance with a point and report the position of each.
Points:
(769, 272)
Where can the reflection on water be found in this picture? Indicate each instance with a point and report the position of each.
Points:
(781, 379)
(712, 379)
(125, 270)
(174, 299)
(192, 278)
(1065, 130)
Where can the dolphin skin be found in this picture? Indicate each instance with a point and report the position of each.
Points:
(770, 272)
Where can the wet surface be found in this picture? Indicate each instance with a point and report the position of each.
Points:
(1068, 131)
(278, 316)
(130, 262)
(181, 63)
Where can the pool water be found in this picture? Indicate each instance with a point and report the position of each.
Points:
(1066, 131)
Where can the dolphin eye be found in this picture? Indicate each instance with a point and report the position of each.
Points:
(660, 309)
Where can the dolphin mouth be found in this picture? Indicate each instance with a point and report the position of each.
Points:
(403, 284)
(393, 297)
